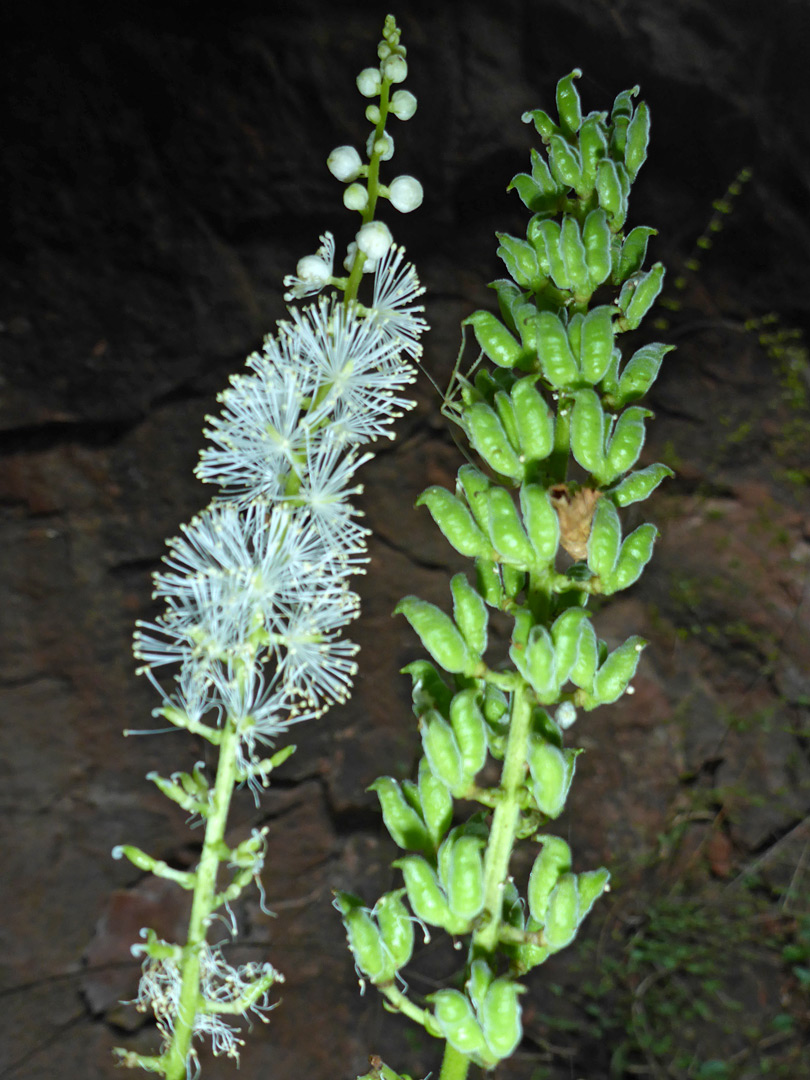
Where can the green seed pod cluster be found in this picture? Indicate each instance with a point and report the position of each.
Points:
(553, 416)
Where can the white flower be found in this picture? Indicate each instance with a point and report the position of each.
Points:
(403, 104)
(406, 194)
(395, 68)
(384, 146)
(344, 163)
(369, 265)
(361, 366)
(313, 272)
(369, 81)
(396, 286)
(239, 991)
(355, 197)
(374, 239)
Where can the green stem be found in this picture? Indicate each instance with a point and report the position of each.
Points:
(454, 1064)
(176, 1054)
(504, 822)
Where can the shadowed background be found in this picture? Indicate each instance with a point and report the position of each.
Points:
(162, 172)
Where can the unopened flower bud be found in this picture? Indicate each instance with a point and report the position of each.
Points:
(403, 104)
(383, 50)
(395, 69)
(313, 270)
(373, 114)
(368, 82)
(374, 239)
(406, 194)
(384, 146)
(369, 266)
(344, 163)
(355, 197)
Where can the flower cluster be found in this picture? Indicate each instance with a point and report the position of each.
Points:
(256, 589)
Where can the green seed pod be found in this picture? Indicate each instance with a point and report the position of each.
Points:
(470, 731)
(562, 916)
(536, 664)
(436, 803)
(488, 438)
(495, 705)
(568, 104)
(638, 486)
(470, 613)
(565, 163)
(396, 927)
(542, 121)
(365, 939)
(618, 136)
(633, 252)
(593, 146)
(509, 296)
(541, 175)
(513, 580)
(565, 633)
(478, 983)
(429, 690)
(439, 635)
(501, 1017)
(597, 342)
(596, 237)
(588, 432)
(427, 900)
(455, 522)
(604, 539)
(506, 531)
(616, 672)
(475, 485)
(609, 190)
(626, 443)
(574, 331)
(554, 349)
(553, 860)
(623, 104)
(541, 521)
(519, 258)
(405, 826)
(552, 770)
(528, 956)
(530, 192)
(463, 876)
(544, 234)
(506, 414)
(455, 1017)
(638, 295)
(574, 257)
(590, 887)
(636, 552)
(488, 582)
(494, 339)
(442, 751)
(584, 669)
(640, 372)
(638, 136)
(534, 421)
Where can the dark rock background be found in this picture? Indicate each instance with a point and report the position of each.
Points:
(163, 167)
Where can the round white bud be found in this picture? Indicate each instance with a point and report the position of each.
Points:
(373, 114)
(344, 163)
(406, 193)
(374, 239)
(369, 82)
(565, 715)
(355, 197)
(369, 266)
(313, 270)
(384, 146)
(395, 69)
(383, 50)
(403, 104)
